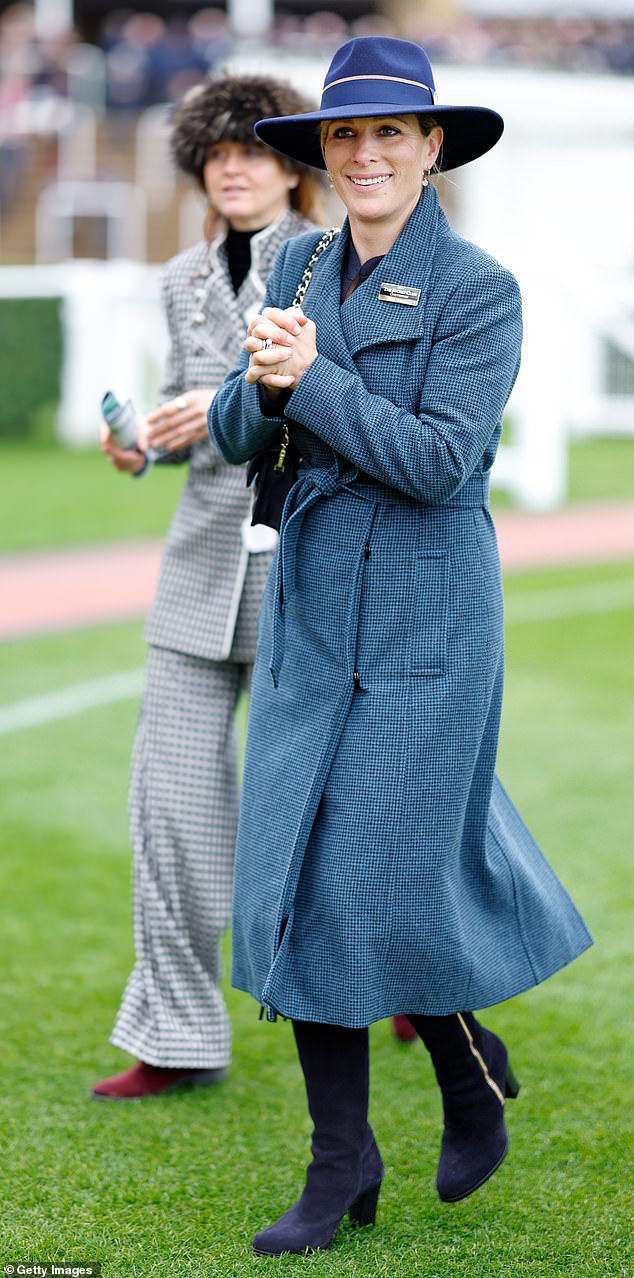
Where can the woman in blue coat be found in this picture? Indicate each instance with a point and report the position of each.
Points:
(381, 867)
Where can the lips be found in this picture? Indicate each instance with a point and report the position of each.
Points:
(365, 182)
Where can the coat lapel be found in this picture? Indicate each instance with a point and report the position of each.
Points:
(265, 245)
(367, 321)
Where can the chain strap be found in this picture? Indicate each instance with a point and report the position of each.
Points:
(324, 243)
(326, 239)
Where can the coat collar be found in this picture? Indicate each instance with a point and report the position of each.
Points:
(264, 248)
(265, 243)
(363, 320)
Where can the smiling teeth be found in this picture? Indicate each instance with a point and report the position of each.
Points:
(375, 181)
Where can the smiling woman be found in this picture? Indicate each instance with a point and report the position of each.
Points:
(377, 167)
(392, 874)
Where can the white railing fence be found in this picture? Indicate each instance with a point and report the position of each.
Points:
(114, 336)
(122, 206)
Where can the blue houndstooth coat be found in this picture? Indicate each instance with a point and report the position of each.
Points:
(381, 867)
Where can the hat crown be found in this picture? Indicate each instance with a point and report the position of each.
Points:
(395, 71)
(379, 76)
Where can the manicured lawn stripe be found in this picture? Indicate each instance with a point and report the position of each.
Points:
(535, 607)
(68, 701)
(563, 602)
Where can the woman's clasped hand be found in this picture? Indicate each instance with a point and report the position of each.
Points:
(281, 365)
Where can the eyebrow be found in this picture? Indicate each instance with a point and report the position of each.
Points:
(376, 119)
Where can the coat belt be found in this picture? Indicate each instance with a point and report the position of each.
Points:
(312, 485)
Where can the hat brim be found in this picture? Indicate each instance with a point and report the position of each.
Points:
(468, 132)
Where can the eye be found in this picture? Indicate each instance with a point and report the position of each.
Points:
(343, 131)
(388, 131)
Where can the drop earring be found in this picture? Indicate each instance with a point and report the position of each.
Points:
(425, 178)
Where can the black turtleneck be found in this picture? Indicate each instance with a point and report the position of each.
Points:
(239, 255)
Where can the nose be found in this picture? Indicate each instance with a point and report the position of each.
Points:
(232, 160)
(365, 149)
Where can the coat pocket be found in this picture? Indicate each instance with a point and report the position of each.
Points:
(430, 604)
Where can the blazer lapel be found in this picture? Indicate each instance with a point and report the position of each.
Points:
(215, 300)
(215, 290)
(266, 243)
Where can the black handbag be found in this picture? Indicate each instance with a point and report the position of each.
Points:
(273, 470)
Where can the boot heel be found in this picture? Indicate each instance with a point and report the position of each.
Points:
(511, 1082)
(363, 1210)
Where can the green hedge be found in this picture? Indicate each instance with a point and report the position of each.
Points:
(31, 347)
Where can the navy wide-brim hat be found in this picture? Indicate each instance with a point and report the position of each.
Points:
(375, 76)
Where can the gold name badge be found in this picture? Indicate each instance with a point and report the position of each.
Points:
(399, 293)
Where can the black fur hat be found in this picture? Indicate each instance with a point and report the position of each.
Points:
(227, 109)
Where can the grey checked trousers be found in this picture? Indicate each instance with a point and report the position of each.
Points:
(183, 820)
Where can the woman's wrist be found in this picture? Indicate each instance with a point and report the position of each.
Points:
(273, 400)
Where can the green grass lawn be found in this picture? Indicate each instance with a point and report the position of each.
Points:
(59, 497)
(178, 1185)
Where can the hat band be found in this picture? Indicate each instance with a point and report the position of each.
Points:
(391, 79)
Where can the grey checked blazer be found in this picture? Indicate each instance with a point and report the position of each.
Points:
(206, 572)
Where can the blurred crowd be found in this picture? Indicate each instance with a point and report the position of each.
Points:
(138, 60)
(147, 60)
(564, 44)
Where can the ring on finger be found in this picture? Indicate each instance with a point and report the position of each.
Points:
(267, 343)
(181, 402)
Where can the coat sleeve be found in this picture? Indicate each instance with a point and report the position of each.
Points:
(237, 425)
(472, 366)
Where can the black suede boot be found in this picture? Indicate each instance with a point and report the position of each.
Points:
(475, 1077)
(346, 1170)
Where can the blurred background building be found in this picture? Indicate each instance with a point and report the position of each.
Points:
(90, 204)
